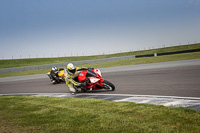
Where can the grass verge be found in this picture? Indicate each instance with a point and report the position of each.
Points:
(133, 61)
(41, 61)
(49, 114)
(145, 60)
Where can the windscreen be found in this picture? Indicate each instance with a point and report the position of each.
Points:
(91, 73)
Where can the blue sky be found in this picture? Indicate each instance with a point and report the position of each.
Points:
(52, 28)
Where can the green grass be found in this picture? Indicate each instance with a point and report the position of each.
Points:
(145, 60)
(133, 61)
(48, 114)
(41, 61)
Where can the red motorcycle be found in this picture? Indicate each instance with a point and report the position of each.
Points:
(94, 80)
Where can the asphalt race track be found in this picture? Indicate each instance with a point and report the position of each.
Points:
(181, 81)
(173, 81)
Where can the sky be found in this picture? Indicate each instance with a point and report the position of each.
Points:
(58, 28)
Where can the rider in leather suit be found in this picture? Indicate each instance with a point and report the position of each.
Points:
(71, 75)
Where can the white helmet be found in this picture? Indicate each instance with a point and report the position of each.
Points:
(71, 68)
(54, 68)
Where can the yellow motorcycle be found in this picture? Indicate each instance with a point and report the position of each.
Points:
(57, 77)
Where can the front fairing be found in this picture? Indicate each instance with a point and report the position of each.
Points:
(48, 73)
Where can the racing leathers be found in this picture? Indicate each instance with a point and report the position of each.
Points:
(71, 79)
(54, 75)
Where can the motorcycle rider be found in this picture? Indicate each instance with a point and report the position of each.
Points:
(71, 75)
(54, 74)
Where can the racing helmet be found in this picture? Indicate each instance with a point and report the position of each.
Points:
(71, 68)
(54, 68)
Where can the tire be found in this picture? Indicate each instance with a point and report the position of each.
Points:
(108, 85)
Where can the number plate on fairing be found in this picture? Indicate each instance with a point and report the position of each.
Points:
(94, 80)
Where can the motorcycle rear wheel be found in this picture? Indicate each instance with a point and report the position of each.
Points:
(108, 85)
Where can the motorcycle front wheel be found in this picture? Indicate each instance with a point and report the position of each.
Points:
(108, 85)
